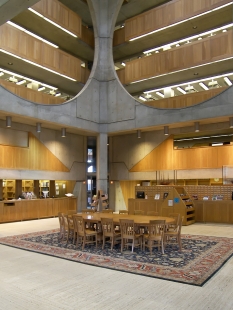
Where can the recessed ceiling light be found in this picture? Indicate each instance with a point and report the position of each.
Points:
(194, 27)
(10, 63)
(195, 73)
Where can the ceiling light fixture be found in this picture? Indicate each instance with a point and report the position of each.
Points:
(63, 132)
(196, 127)
(181, 90)
(160, 94)
(38, 127)
(203, 86)
(123, 64)
(21, 82)
(8, 121)
(166, 130)
(139, 134)
(231, 122)
(142, 98)
(227, 80)
(41, 88)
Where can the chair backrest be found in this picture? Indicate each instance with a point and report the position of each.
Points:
(176, 217)
(139, 212)
(127, 228)
(71, 212)
(152, 213)
(69, 220)
(79, 224)
(61, 218)
(181, 218)
(88, 211)
(107, 211)
(156, 228)
(123, 211)
(107, 227)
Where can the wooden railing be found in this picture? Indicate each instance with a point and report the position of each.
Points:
(183, 101)
(167, 14)
(23, 45)
(60, 14)
(31, 94)
(197, 53)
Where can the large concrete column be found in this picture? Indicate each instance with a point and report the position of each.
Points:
(102, 164)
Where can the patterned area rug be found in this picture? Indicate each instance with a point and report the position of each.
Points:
(201, 257)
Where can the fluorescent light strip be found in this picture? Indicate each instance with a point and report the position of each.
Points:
(180, 22)
(169, 73)
(52, 22)
(37, 65)
(189, 38)
(189, 83)
(181, 90)
(30, 80)
(203, 86)
(32, 34)
(226, 79)
(198, 138)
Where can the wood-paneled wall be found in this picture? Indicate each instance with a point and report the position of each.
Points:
(60, 14)
(167, 14)
(119, 37)
(164, 157)
(128, 190)
(197, 53)
(35, 157)
(183, 101)
(121, 75)
(31, 94)
(85, 73)
(88, 36)
(23, 45)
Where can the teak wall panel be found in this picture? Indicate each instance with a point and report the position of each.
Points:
(119, 36)
(88, 36)
(164, 157)
(197, 53)
(183, 101)
(31, 94)
(161, 158)
(60, 14)
(167, 14)
(35, 157)
(37, 51)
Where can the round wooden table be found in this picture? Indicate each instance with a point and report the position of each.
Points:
(138, 219)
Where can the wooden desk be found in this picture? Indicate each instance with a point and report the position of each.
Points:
(138, 219)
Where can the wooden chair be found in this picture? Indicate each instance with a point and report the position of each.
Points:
(71, 212)
(139, 212)
(173, 226)
(70, 227)
(152, 213)
(174, 236)
(85, 235)
(63, 225)
(88, 211)
(155, 235)
(128, 234)
(123, 212)
(109, 232)
(107, 211)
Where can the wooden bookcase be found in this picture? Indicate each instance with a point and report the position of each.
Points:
(8, 188)
(27, 185)
(172, 199)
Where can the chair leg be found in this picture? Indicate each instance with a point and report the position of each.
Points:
(103, 243)
(122, 241)
(84, 241)
(133, 245)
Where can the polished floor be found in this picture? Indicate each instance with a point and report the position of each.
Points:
(34, 281)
